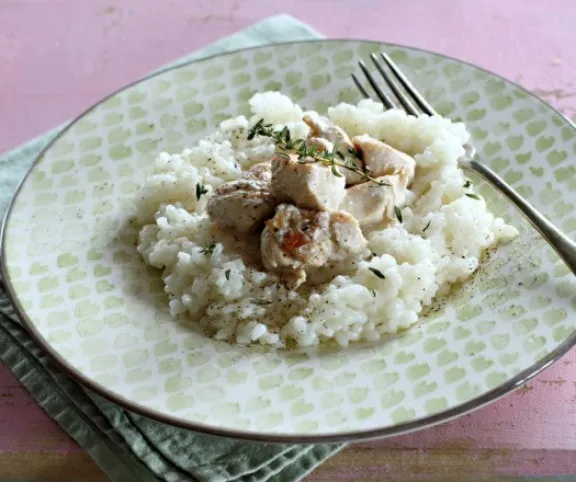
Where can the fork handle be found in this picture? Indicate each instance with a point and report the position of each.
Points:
(562, 244)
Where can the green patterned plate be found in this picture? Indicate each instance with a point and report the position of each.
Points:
(81, 289)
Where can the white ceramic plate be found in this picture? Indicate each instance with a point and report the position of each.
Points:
(81, 289)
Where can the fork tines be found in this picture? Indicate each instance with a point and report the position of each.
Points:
(410, 99)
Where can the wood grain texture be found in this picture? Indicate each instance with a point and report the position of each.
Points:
(49, 467)
(59, 56)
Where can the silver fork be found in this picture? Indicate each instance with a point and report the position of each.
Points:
(415, 104)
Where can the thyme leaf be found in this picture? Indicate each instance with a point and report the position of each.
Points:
(473, 196)
(209, 248)
(426, 227)
(201, 189)
(398, 213)
(377, 273)
(335, 171)
(260, 301)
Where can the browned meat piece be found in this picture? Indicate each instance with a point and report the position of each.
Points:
(323, 128)
(242, 205)
(296, 242)
(259, 172)
(371, 204)
(383, 160)
(319, 143)
(308, 185)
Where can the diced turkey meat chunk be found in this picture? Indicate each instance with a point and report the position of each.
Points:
(260, 172)
(297, 242)
(371, 204)
(320, 144)
(308, 185)
(323, 128)
(242, 205)
(382, 160)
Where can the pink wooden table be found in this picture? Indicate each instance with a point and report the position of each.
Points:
(59, 56)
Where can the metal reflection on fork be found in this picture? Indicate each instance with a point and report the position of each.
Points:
(415, 104)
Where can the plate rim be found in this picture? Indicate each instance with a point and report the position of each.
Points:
(428, 421)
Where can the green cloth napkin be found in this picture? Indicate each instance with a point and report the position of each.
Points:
(126, 446)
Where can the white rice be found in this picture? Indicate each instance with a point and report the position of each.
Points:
(439, 242)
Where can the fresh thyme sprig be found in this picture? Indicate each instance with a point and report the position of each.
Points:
(311, 154)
